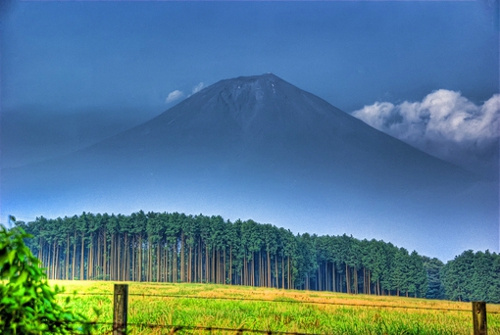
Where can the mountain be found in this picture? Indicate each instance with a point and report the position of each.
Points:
(259, 147)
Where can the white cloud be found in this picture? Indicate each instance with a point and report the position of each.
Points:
(444, 124)
(174, 95)
(198, 88)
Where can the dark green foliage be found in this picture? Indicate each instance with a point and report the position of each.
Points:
(433, 267)
(173, 247)
(27, 303)
(473, 277)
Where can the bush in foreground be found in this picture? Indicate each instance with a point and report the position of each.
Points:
(27, 302)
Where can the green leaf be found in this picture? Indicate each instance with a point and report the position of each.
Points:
(11, 256)
(27, 303)
(3, 258)
(22, 278)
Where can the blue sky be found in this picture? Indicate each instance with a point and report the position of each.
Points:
(76, 55)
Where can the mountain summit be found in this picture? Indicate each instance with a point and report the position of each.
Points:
(260, 147)
(264, 123)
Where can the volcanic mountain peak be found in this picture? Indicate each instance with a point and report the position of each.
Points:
(253, 83)
(248, 93)
(253, 104)
(264, 120)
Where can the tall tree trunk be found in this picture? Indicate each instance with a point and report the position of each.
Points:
(139, 260)
(319, 281)
(175, 276)
(244, 268)
(282, 272)
(220, 275)
(268, 269)
(133, 251)
(167, 263)
(253, 270)
(262, 271)
(105, 258)
(334, 284)
(50, 256)
(222, 266)
(158, 262)
(150, 260)
(66, 258)
(54, 260)
(212, 278)
(112, 257)
(240, 282)
(119, 261)
(82, 259)
(276, 282)
(355, 281)
(199, 255)
(369, 282)
(231, 265)
(347, 279)
(40, 249)
(199, 262)
(126, 250)
(207, 265)
(89, 257)
(74, 257)
(217, 266)
(183, 260)
(123, 257)
(289, 279)
(190, 265)
(98, 268)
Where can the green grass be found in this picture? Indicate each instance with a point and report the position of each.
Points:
(276, 310)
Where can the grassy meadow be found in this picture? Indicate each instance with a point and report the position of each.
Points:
(238, 307)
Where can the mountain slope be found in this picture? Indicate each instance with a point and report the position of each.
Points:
(266, 120)
(261, 147)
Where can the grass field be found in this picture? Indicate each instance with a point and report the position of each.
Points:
(263, 309)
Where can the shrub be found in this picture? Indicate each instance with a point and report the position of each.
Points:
(27, 302)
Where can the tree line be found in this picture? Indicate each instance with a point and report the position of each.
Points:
(174, 247)
(473, 277)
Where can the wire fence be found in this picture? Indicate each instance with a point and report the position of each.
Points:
(120, 311)
(172, 329)
(309, 302)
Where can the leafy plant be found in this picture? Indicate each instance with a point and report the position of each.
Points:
(27, 302)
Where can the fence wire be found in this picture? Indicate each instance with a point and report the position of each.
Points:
(172, 329)
(113, 327)
(284, 302)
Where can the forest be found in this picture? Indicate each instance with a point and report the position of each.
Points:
(174, 247)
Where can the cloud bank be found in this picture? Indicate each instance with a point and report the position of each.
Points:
(444, 124)
(174, 95)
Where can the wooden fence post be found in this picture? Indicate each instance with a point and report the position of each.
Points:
(120, 308)
(479, 318)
